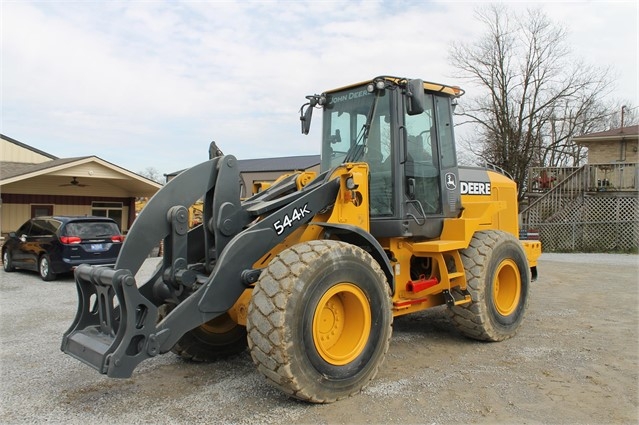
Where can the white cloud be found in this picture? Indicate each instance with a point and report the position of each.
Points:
(150, 84)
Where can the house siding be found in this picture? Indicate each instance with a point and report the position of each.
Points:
(13, 152)
(60, 185)
(250, 177)
(607, 152)
(16, 208)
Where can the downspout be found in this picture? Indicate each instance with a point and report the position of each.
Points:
(622, 154)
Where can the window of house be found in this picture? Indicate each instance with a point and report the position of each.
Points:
(112, 210)
(38, 210)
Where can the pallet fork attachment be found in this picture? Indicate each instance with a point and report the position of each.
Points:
(116, 326)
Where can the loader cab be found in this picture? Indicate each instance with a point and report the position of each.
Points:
(403, 130)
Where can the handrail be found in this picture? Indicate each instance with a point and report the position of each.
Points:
(556, 188)
(560, 190)
(497, 168)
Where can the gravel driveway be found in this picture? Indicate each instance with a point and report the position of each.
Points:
(575, 360)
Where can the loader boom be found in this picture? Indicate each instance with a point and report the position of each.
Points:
(113, 337)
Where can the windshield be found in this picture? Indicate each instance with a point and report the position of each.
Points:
(345, 118)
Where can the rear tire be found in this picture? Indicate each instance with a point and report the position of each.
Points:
(44, 268)
(6, 262)
(498, 279)
(319, 321)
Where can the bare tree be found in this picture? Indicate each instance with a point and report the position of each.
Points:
(624, 114)
(151, 173)
(535, 97)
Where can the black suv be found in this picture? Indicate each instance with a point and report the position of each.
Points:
(55, 245)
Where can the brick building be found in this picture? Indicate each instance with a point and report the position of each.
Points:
(593, 207)
(612, 146)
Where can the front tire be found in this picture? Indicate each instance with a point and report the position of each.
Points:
(498, 279)
(319, 321)
(44, 269)
(7, 264)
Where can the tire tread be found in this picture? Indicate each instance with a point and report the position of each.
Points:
(474, 319)
(266, 316)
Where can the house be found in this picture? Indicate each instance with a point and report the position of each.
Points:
(613, 146)
(35, 183)
(267, 170)
(592, 207)
(613, 156)
(254, 172)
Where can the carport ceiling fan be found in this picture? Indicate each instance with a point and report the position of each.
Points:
(74, 182)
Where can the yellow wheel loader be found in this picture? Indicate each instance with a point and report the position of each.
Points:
(310, 272)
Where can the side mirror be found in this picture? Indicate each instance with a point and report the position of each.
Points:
(306, 114)
(416, 97)
(305, 117)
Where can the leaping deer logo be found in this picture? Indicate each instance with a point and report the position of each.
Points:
(451, 181)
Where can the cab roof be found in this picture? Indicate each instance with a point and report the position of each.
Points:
(454, 91)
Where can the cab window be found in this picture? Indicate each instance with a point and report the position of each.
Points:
(445, 132)
(422, 159)
(345, 118)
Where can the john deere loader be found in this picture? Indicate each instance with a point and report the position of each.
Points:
(309, 273)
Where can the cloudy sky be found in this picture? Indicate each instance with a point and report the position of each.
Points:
(150, 84)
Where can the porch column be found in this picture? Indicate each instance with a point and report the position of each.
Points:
(131, 216)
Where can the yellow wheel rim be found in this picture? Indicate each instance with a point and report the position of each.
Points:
(341, 324)
(507, 287)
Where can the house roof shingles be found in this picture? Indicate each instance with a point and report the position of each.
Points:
(278, 164)
(287, 163)
(614, 134)
(14, 169)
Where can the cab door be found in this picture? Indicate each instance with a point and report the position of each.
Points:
(422, 165)
(450, 188)
(431, 188)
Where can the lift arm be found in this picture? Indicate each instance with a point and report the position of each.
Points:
(116, 326)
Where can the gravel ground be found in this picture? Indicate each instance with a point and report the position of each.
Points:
(575, 360)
